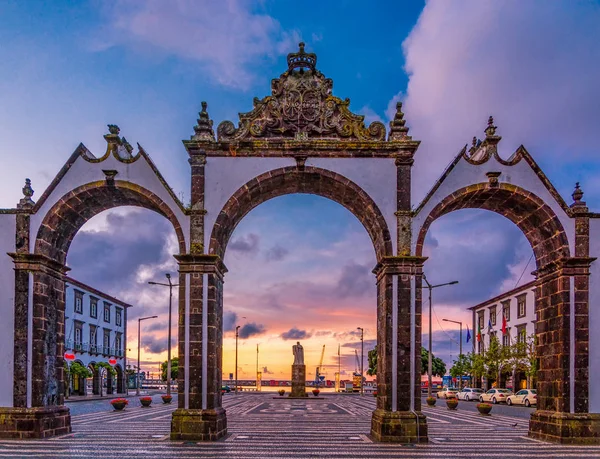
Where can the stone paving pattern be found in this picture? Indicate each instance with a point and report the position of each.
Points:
(336, 426)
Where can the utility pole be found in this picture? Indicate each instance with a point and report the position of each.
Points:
(430, 362)
(236, 357)
(459, 346)
(362, 360)
(257, 388)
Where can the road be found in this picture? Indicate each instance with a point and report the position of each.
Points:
(501, 408)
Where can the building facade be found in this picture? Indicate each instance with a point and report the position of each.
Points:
(95, 332)
(516, 310)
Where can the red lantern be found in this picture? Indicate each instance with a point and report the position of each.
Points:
(112, 361)
(69, 356)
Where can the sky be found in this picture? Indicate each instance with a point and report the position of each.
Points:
(299, 266)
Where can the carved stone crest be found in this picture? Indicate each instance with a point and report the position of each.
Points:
(301, 107)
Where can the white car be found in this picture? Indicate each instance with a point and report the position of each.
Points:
(447, 392)
(469, 394)
(495, 396)
(525, 397)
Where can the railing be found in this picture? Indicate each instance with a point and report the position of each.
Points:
(93, 349)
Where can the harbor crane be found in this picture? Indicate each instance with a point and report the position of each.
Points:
(318, 376)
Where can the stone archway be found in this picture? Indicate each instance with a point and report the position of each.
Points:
(40, 286)
(561, 301)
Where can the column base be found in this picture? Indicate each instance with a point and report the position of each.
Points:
(198, 425)
(298, 381)
(399, 427)
(42, 422)
(565, 428)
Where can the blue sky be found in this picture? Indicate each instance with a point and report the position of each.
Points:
(69, 68)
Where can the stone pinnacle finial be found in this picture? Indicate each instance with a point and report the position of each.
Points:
(204, 129)
(113, 129)
(26, 201)
(490, 130)
(398, 129)
(577, 195)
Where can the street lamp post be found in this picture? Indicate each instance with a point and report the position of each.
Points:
(429, 363)
(362, 359)
(170, 285)
(459, 346)
(237, 328)
(137, 379)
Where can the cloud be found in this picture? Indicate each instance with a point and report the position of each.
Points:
(247, 244)
(538, 81)
(251, 329)
(230, 39)
(276, 253)
(356, 280)
(295, 333)
(156, 326)
(368, 343)
(229, 321)
(154, 345)
(266, 371)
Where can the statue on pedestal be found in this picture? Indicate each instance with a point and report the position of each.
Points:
(298, 351)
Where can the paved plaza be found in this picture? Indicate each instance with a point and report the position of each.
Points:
(261, 426)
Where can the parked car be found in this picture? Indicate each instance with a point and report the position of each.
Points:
(447, 392)
(225, 389)
(469, 394)
(495, 396)
(525, 397)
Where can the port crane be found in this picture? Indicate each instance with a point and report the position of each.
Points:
(318, 376)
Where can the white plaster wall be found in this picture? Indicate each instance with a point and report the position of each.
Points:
(82, 172)
(594, 325)
(225, 175)
(521, 174)
(7, 289)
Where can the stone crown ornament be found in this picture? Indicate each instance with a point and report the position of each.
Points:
(301, 107)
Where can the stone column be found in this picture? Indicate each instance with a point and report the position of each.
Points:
(200, 415)
(562, 346)
(39, 350)
(298, 381)
(398, 416)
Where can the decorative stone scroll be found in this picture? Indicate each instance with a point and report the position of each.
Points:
(301, 107)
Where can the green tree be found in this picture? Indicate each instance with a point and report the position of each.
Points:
(75, 370)
(372, 354)
(477, 363)
(438, 367)
(461, 367)
(174, 369)
(495, 359)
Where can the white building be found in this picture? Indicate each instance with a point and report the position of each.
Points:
(95, 331)
(518, 307)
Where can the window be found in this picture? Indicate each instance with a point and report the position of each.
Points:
(118, 345)
(93, 307)
(479, 347)
(78, 302)
(106, 312)
(78, 330)
(106, 342)
(521, 333)
(493, 315)
(118, 314)
(480, 320)
(521, 306)
(93, 338)
(506, 339)
(506, 310)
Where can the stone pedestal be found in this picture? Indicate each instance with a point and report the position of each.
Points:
(34, 422)
(198, 425)
(566, 428)
(298, 381)
(398, 427)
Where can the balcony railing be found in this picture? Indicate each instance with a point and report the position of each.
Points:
(93, 349)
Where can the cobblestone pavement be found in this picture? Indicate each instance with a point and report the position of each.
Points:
(263, 427)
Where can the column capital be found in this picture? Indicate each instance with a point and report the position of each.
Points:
(407, 265)
(38, 262)
(573, 266)
(201, 263)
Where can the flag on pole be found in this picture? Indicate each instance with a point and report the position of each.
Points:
(478, 333)
(338, 348)
(468, 334)
(489, 324)
(503, 324)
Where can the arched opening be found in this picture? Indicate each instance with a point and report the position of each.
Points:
(56, 232)
(553, 287)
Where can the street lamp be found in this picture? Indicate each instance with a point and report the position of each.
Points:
(170, 285)
(237, 328)
(362, 358)
(459, 346)
(137, 381)
(429, 366)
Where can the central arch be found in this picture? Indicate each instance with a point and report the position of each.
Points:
(308, 180)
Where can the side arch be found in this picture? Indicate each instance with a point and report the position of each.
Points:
(308, 180)
(69, 214)
(532, 215)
